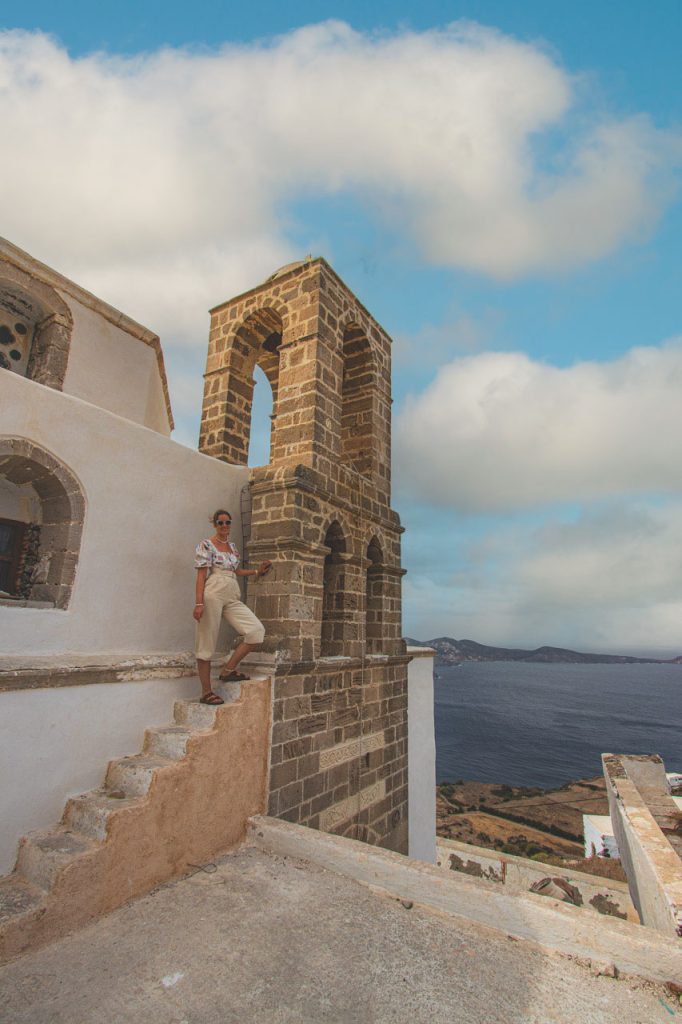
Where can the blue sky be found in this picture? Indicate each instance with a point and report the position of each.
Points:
(501, 194)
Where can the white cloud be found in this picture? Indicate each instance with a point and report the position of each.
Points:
(161, 180)
(433, 344)
(605, 580)
(498, 431)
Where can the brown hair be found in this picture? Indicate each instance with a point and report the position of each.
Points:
(220, 512)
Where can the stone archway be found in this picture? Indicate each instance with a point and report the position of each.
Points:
(46, 568)
(334, 593)
(35, 328)
(374, 598)
(228, 385)
(358, 441)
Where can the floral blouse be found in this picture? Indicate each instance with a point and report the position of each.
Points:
(208, 556)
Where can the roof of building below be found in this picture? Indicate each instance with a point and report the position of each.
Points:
(269, 938)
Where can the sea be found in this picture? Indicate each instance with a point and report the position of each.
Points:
(544, 725)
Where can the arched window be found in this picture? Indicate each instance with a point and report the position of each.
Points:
(357, 439)
(374, 599)
(261, 419)
(42, 508)
(35, 328)
(229, 387)
(334, 593)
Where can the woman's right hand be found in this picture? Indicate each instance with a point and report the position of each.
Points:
(198, 611)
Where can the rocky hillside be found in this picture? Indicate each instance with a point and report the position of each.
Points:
(453, 652)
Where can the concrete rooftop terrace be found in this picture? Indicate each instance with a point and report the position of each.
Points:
(270, 938)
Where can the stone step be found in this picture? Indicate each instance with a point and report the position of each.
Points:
(168, 741)
(18, 898)
(230, 692)
(194, 715)
(133, 776)
(90, 812)
(42, 855)
(171, 820)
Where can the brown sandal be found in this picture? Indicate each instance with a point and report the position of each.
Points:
(212, 699)
(232, 677)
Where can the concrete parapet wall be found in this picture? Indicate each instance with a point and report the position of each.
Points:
(421, 755)
(518, 875)
(653, 868)
(546, 922)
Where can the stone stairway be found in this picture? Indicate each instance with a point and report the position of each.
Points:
(186, 797)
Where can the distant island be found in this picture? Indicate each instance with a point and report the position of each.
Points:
(454, 652)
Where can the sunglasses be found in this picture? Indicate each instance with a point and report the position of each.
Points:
(224, 522)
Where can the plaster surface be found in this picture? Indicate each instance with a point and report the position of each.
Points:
(280, 940)
(147, 504)
(105, 359)
(421, 756)
(111, 368)
(55, 743)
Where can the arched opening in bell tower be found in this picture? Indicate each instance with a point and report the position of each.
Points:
(252, 410)
(357, 398)
(260, 434)
(333, 592)
(374, 598)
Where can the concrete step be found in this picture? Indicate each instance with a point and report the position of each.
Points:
(18, 898)
(133, 776)
(169, 741)
(42, 855)
(90, 812)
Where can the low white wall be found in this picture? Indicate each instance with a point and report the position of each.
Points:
(56, 743)
(547, 922)
(518, 874)
(148, 501)
(421, 754)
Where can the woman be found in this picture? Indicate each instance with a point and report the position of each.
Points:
(217, 595)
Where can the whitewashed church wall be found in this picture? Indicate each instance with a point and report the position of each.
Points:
(421, 756)
(56, 743)
(147, 504)
(112, 369)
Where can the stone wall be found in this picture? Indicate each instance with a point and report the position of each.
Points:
(328, 362)
(320, 511)
(339, 748)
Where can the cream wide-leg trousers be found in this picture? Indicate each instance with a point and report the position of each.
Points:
(222, 599)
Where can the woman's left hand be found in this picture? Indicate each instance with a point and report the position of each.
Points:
(264, 568)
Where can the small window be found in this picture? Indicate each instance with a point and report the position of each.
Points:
(11, 536)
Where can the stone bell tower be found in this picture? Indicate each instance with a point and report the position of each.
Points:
(320, 510)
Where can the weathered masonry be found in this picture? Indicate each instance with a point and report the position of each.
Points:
(320, 511)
